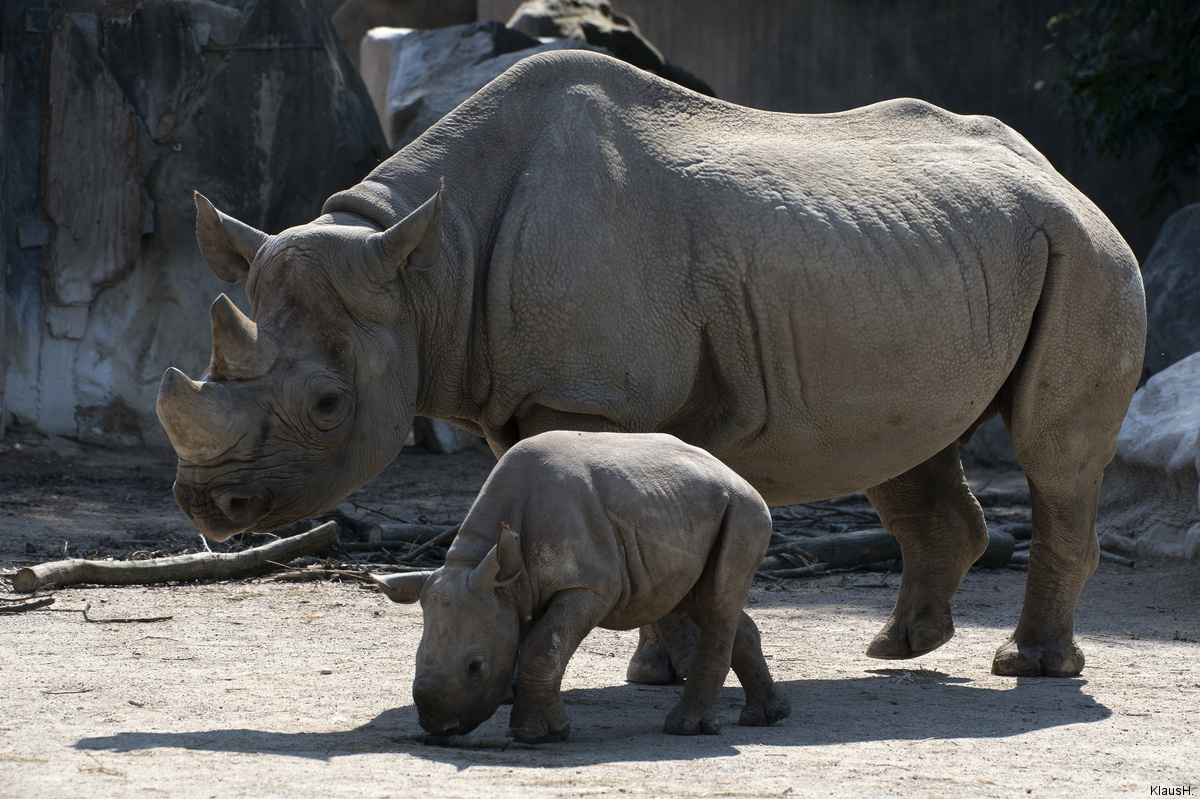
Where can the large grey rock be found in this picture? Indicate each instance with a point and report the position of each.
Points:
(253, 102)
(353, 18)
(595, 22)
(1172, 277)
(416, 77)
(1148, 502)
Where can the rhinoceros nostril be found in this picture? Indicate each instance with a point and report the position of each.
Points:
(241, 508)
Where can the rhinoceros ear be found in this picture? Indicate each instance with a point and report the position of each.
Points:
(503, 564)
(227, 244)
(415, 242)
(404, 587)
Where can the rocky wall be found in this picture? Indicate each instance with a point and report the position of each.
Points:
(252, 102)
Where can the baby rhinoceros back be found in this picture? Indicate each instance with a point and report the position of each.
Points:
(574, 531)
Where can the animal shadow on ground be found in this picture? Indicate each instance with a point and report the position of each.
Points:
(622, 723)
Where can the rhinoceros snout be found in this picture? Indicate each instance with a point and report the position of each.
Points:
(442, 726)
(223, 513)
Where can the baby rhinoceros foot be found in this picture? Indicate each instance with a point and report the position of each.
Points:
(903, 638)
(683, 722)
(764, 712)
(534, 727)
(1050, 658)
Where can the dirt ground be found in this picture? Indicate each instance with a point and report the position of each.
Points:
(263, 689)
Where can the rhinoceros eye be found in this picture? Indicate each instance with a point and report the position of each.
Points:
(330, 407)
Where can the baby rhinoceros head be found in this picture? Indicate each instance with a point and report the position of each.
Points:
(468, 652)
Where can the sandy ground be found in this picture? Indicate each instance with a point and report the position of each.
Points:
(258, 688)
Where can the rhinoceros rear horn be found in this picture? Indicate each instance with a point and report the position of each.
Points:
(227, 244)
(404, 587)
(197, 416)
(239, 350)
(415, 242)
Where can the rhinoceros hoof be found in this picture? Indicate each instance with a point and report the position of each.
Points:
(897, 642)
(762, 714)
(691, 724)
(1050, 658)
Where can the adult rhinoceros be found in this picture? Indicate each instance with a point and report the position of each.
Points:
(826, 303)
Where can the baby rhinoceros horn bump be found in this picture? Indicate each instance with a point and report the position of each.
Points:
(196, 416)
(239, 351)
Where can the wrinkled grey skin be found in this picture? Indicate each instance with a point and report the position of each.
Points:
(825, 303)
(611, 530)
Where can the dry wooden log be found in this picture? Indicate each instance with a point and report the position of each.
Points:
(201, 566)
(843, 550)
(408, 533)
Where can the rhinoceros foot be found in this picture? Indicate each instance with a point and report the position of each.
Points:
(684, 722)
(760, 714)
(900, 639)
(1049, 658)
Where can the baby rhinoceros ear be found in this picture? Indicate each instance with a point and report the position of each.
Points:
(503, 564)
(404, 587)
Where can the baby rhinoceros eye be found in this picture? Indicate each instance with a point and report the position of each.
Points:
(476, 668)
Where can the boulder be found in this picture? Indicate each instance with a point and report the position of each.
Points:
(353, 18)
(1148, 502)
(595, 22)
(415, 77)
(1172, 277)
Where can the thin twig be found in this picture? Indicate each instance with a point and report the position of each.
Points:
(88, 607)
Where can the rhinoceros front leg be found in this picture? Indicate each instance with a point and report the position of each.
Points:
(538, 715)
(941, 529)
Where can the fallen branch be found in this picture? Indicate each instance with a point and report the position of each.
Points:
(860, 547)
(1115, 558)
(180, 568)
(441, 540)
(24, 606)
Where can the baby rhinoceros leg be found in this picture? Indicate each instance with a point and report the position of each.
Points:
(538, 715)
(727, 635)
(765, 703)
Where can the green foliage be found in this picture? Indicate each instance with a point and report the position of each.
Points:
(1132, 80)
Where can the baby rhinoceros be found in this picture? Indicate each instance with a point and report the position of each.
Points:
(573, 531)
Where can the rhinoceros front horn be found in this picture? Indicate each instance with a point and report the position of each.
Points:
(198, 417)
(239, 350)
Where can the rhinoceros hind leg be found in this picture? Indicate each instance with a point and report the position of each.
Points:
(1070, 391)
(941, 530)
